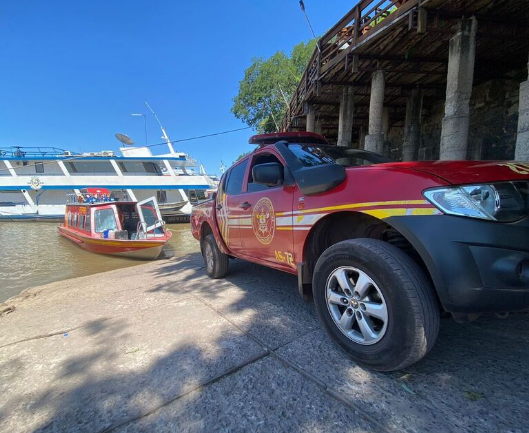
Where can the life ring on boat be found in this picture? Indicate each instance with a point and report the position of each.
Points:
(80, 199)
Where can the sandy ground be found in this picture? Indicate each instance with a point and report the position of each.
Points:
(160, 347)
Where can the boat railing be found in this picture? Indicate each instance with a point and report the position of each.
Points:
(34, 152)
(88, 198)
(143, 233)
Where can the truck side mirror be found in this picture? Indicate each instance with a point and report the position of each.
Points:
(269, 174)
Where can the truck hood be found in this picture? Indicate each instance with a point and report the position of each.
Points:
(468, 172)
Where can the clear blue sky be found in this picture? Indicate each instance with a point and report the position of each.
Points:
(72, 71)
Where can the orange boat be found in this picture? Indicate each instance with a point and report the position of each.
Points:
(104, 224)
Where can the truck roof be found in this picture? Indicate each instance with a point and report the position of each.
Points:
(291, 137)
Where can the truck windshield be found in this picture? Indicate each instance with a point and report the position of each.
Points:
(311, 155)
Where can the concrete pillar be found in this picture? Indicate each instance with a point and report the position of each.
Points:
(375, 140)
(412, 128)
(522, 139)
(345, 122)
(385, 123)
(461, 56)
(311, 119)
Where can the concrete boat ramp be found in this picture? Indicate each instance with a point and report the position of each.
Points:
(160, 347)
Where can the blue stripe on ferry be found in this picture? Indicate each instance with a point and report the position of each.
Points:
(70, 187)
(74, 158)
(31, 217)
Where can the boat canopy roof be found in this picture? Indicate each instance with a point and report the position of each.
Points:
(98, 196)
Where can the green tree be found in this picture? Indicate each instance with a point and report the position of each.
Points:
(242, 155)
(268, 85)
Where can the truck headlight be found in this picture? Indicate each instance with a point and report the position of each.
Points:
(505, 201)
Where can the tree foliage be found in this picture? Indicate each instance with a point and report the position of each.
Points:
(268, 85)
(242, 155)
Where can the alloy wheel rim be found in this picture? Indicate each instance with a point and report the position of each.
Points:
(356, 305)
(209, 257)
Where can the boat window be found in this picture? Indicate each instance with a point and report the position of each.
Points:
(69, 218)
(91, 167)
(74, 220)
(151, 167)
(88, 221)
(148, 211)
(81, 222)
(39, 167)
(104, 220)
(161, 196)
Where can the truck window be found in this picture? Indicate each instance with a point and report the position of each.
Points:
(235, 179)
(312, 155)
(261, 159)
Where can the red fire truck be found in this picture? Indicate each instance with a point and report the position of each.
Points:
(384, 248)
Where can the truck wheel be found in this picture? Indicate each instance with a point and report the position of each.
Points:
(215, 260)
(375, 303)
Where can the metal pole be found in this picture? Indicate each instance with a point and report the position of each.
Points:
(145, 123)
(302, 6)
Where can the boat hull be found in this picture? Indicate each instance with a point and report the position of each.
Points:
(144, 249)
(30, 217)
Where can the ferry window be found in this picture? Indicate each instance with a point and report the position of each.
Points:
(81, 222)
(192, 195)
(235, 179)
(88, 222)
(69, 218)
(161, 196)
(74, 220)
(39, 167)
(151, 167)
(90, 167)
(104, 220)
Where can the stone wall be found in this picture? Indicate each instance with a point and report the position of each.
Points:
(493, 123)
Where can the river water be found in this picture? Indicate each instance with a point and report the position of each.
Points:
(33, 253)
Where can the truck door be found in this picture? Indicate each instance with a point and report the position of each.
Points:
(227, 206)
(266, 225)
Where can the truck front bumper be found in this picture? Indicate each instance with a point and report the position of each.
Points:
(476, 266)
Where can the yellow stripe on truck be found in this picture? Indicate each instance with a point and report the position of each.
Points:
(356, 205)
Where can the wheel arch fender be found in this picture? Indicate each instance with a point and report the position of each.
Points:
(207, 228)
(353, 225)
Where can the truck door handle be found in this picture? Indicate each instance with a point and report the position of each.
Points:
(245, 205)
(218, 207)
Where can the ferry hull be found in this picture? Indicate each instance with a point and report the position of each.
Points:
(31, 217)
(148, 249)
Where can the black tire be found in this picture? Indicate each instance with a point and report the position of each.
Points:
(218, 266)
(413, 313)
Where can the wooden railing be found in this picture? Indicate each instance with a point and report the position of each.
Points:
(359, 23)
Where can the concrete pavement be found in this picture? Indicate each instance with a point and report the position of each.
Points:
(161, 347)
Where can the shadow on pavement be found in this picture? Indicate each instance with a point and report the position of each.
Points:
(246, 354)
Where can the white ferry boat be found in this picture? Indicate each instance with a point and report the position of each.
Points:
(34, 181)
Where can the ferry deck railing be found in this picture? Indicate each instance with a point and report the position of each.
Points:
(34, 152)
